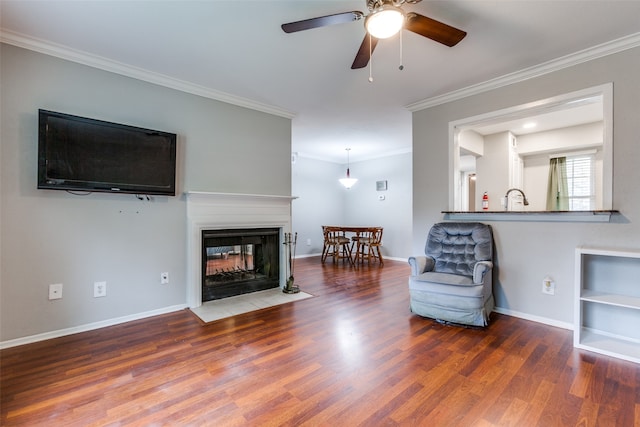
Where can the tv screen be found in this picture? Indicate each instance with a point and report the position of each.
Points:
(83, 154)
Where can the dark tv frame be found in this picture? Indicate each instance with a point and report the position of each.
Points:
(99, 129)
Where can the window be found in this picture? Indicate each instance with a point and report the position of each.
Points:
(581, 182)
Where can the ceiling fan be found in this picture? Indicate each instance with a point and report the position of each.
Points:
(385, 19)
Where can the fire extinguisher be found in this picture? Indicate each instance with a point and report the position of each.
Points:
(485, 201)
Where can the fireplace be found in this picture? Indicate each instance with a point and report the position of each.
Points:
(211, 215)
(239, 261)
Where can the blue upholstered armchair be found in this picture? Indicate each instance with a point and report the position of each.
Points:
(453, 282)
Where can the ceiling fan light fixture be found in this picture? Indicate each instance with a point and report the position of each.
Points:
(384, 22)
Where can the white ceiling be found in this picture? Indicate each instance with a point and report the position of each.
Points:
(237, 48)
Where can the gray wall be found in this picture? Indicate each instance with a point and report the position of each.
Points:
(393, 213)
(528, 251)
(55, 237)
(319, 201)
(322, 200)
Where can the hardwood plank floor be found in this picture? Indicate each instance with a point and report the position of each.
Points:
(352, 356)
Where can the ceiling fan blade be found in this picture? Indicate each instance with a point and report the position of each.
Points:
(435, 30)
(363, 55)
(322, 21)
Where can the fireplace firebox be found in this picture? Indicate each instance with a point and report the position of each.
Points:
(239, 261)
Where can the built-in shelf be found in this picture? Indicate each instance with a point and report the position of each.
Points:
(534, 216)
(610, 346)
(611, 299)
(607, 302)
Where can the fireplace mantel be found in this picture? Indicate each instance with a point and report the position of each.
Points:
(206, 195)
(215, 211)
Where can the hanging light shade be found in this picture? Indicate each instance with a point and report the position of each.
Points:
(348, 181)
(385, 21)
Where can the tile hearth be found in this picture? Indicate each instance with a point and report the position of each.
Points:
(232, 306)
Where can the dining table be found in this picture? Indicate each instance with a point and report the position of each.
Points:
(355, 233)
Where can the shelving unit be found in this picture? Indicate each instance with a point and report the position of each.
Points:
(607, 303)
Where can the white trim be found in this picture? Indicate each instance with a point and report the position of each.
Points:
(102, 63)
(573, 153)
(89, 326)
(204, 195)
(624, 43)
(395, 258)
(307, 256)
(537, 319)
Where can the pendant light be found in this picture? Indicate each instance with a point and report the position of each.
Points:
(348, 181)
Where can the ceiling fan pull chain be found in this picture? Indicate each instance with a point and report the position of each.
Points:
(401, 67)
(370, 61)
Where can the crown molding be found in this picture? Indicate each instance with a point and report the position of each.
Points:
(604, 49)
(102, 63)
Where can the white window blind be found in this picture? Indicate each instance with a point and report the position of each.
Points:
(581, 182)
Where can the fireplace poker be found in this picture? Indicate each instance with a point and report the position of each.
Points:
(291, 263)
(289, 241)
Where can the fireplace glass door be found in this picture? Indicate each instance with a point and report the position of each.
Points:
(239, 261)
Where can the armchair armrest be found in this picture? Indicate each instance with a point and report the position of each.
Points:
(420, 263)
(480, 269)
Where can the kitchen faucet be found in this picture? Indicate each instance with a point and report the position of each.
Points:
(506, 198)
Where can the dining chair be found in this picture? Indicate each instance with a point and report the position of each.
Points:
(369, 246)
(335, 244)
(358, 245)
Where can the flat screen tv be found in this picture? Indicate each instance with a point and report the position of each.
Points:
(82, 154)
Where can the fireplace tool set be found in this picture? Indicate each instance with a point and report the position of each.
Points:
(290, 241)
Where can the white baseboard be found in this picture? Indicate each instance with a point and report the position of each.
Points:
(393, 258)
(89, 326)
(307, 256)
(538, 319)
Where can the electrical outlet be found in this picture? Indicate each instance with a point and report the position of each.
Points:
(99, 289)
(164, 278)
(548, 286)
(55, 291)
(308, 242)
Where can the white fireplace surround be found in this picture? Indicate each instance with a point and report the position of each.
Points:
(219, 211)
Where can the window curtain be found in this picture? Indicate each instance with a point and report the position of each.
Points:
(557, 188)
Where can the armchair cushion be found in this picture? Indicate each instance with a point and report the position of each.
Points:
(444, 278)
(456, 247)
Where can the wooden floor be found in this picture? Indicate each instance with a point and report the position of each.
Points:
(353, 355)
